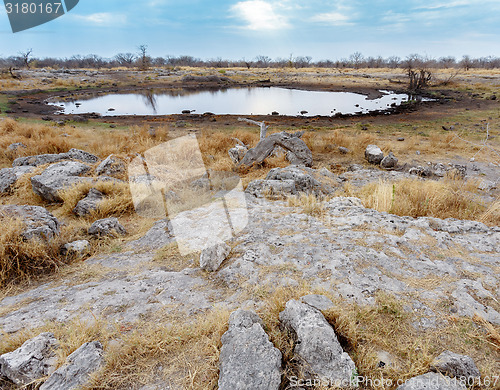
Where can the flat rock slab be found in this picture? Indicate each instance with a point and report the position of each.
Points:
(248, 360)
(42, 159)
(76, 370)
(317, 350)
(115, 295)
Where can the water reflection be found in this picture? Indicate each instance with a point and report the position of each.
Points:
(234, 101)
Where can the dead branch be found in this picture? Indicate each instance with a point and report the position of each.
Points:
(262, 125)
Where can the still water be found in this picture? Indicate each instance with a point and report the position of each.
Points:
(232, 101)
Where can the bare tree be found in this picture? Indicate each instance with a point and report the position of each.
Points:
(466, 63)
(125, 59)
(356, 59)
(418, 72)
(144, 58)
(26, 57)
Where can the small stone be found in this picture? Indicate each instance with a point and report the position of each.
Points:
(16, 146)
(79, 247)
(401, 139)
(373, 154)
(455, 365)
(107, 227)
(111, 166)
(212, 258)
(89, 204)
(389, 161)
(343, 150)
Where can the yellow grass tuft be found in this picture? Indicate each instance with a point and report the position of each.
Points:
(447, 198)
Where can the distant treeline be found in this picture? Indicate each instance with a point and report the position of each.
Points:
(355, 60)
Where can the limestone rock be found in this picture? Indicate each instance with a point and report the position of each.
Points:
(89, 204)
(389, 161)
(9, 177)
(38, 222)
(373, 154)
(35, 359)
(159, 235)
(76, 247)
(431, 381)
(248, 360)
(72, 154)
(305, 179)
(317, 349)
(111, 166)
(261, 188)
(16, 146)
(107, 227)
(58, 177)
(455, 365)
(77, 369)
(211, 258)
(319, 302)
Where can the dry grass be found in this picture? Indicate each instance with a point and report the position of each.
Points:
(447, 198)
(21, 259)
(185, 353)
(117, 201)
(309, 203)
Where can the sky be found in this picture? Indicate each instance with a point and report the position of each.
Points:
(232, 29)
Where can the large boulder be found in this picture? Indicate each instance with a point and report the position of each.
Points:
(373, 154)
(76, 370)
(58, 177)
(261, 188)
(89, 204)
(42, 159)
(38, 222)
(9, 177)
(111, 166)
(455, 365)
(431, 381)
(107, 227)
(248, 360)
(35, 359)
(317, 348)
(211, 258)
(291, 142)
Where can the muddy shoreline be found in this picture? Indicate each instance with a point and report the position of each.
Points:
(33, 103)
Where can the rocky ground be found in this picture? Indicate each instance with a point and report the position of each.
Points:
(440, 271)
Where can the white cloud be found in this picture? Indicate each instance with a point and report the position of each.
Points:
(102, 18)
(455, 3)
(260, 15)
(333, 18)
